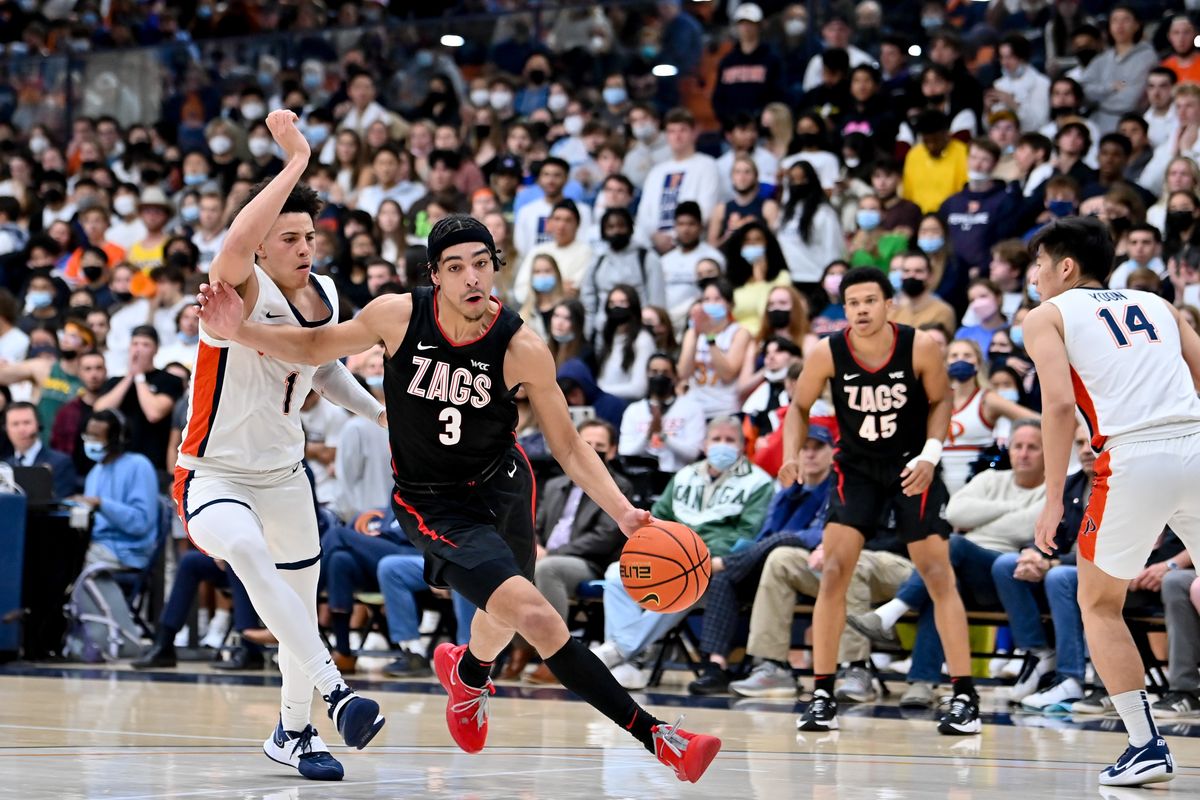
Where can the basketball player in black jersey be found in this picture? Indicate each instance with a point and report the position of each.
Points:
(464, 489)
(892, 400)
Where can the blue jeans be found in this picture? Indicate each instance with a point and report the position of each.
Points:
(400, 578)
(626, 624)
(349, 561)
(973, 569)
(1024, 616)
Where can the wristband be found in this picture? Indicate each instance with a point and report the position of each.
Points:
(139, 378)
(931, 453)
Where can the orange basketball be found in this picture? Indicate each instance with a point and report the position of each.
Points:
(665, 567)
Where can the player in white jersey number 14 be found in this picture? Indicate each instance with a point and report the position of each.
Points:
(1132, 368)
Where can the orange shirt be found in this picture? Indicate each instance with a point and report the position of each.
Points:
(1188, 74)
(72, 272)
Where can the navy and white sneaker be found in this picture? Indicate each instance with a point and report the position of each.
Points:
(820, 715)
(1137, 766)
(357, 718)
(962, 717)
(304, 751)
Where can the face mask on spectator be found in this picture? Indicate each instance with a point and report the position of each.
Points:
(832, 284)
(795, 27)
(573, 125)
(715, 311)
(557, 102)
(1031, 289)
(753, 252)
(615, 95)
(1017, 335)
(895, 279)
(1061, 208)
(259, 146)
(479, 97)
(253, 111)
(852, 162)
(961, 371)
(564, 338)
(975, 176)
(317, 135)
(645, 132)
(929, 23)
(722, 455)
(194, 178)
(220, 144)
(96, 451)
(500, 100)
(39, 299)
(1085, 55)
(189, 340)
(543, 283)
(913, 287)
(312, 81)
(779, 318)
(1179, 220)
(375, 381)
(868, 219)
(661, 386)
(618, 241)
(984, 307)
(36, 350)
(930, 244)
(189, 214)
(93, 274)
(38, 145)
(1011, 395)
(125, 205)
(618, 315)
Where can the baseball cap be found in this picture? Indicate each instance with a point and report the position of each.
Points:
(748, 12)
(821, 434)
(508, 165)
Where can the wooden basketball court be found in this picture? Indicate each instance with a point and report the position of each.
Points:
(191, 733)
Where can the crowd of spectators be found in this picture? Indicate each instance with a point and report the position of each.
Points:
(677, 189)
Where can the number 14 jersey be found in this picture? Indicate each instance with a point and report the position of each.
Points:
(244, 407)
(1127, 366)
(881, 413)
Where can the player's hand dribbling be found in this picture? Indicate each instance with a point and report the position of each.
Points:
(916, 479)
(220, 309)
(633, 519)
(282, 124)
(1046, 528)
(789, 472)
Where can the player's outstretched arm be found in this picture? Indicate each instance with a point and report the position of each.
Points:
(385, 319)
(1044, 343)
(818, 369)
(234, 264)
(528, 362)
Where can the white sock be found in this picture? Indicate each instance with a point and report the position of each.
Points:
(1043, 653)
(324, 674)
(891, 611)
(415, 646)
(217, 629)
(181, 638)
(203, 617)
(1134, 709)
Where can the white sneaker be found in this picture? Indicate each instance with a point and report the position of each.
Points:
(181, 638)
(609, 654)
(1031, 676)
(631, 677)
(218, 630)
(1062, 691)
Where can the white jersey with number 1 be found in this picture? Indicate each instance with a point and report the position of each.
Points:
(244, 409)
(1137, 394)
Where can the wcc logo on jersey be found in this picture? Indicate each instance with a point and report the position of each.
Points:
(434, 380)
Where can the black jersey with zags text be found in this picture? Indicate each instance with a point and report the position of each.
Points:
(450, 416)
(882, 413)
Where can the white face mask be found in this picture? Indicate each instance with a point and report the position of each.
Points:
(974, 176)
(573, 125)
(645, 132)
(557, 102)
(501, 100)
(38, 145)
(125, 205)
(253, 111)
(259, 146)
(220, 144)
(795, 27)
(479, 97)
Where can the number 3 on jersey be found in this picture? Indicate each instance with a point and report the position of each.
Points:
(871, 432)
(453, 419)
(1136, 321)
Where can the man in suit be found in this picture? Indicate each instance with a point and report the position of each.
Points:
(576, 542)
(23, 429)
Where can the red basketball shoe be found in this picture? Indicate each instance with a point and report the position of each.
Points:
(467, 708)
(689, 754)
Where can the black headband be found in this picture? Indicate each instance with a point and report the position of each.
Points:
(471, 233)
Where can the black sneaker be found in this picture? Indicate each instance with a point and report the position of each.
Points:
(962, 718)
(1176, 705)
(713, 681)
(158, 656)
(408, 665)
(821, 714)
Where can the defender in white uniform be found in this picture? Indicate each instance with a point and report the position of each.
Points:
(239, 485)
(1132, 368)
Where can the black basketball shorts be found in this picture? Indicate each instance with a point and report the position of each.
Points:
(474, 536)
(865, 490)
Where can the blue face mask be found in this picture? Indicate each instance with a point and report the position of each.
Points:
(896, 279)
(564, 338)
(1011, 395)
(543, 283)
(312, 81)
(722, 456)
(753, 252)
(194, 179)
(39, 299)
(615, 95)
(189, 340)
(375, 381)
(868, 218)
(1018, 336)
(96, 451)
(1031, 289)
(715, 311)
(961, 371)
(189, 213)
(1061, 208)
(931, 244)
(317, 135)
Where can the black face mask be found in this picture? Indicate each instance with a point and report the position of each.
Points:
(1119, 225)
(483, 131)
(53, 196)
(913, 287)
(1064, 111)
(1180, 221)
(661, 386)
(704, 283)
(779, 318)
(122, 297)
(807, 140)
(151, 177)
(537, 76)
(93, 274)
(935, 99)
(618, 241)
(618, 315)
(68, 355)
(1085, 55)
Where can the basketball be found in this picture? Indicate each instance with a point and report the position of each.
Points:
(665, 567)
